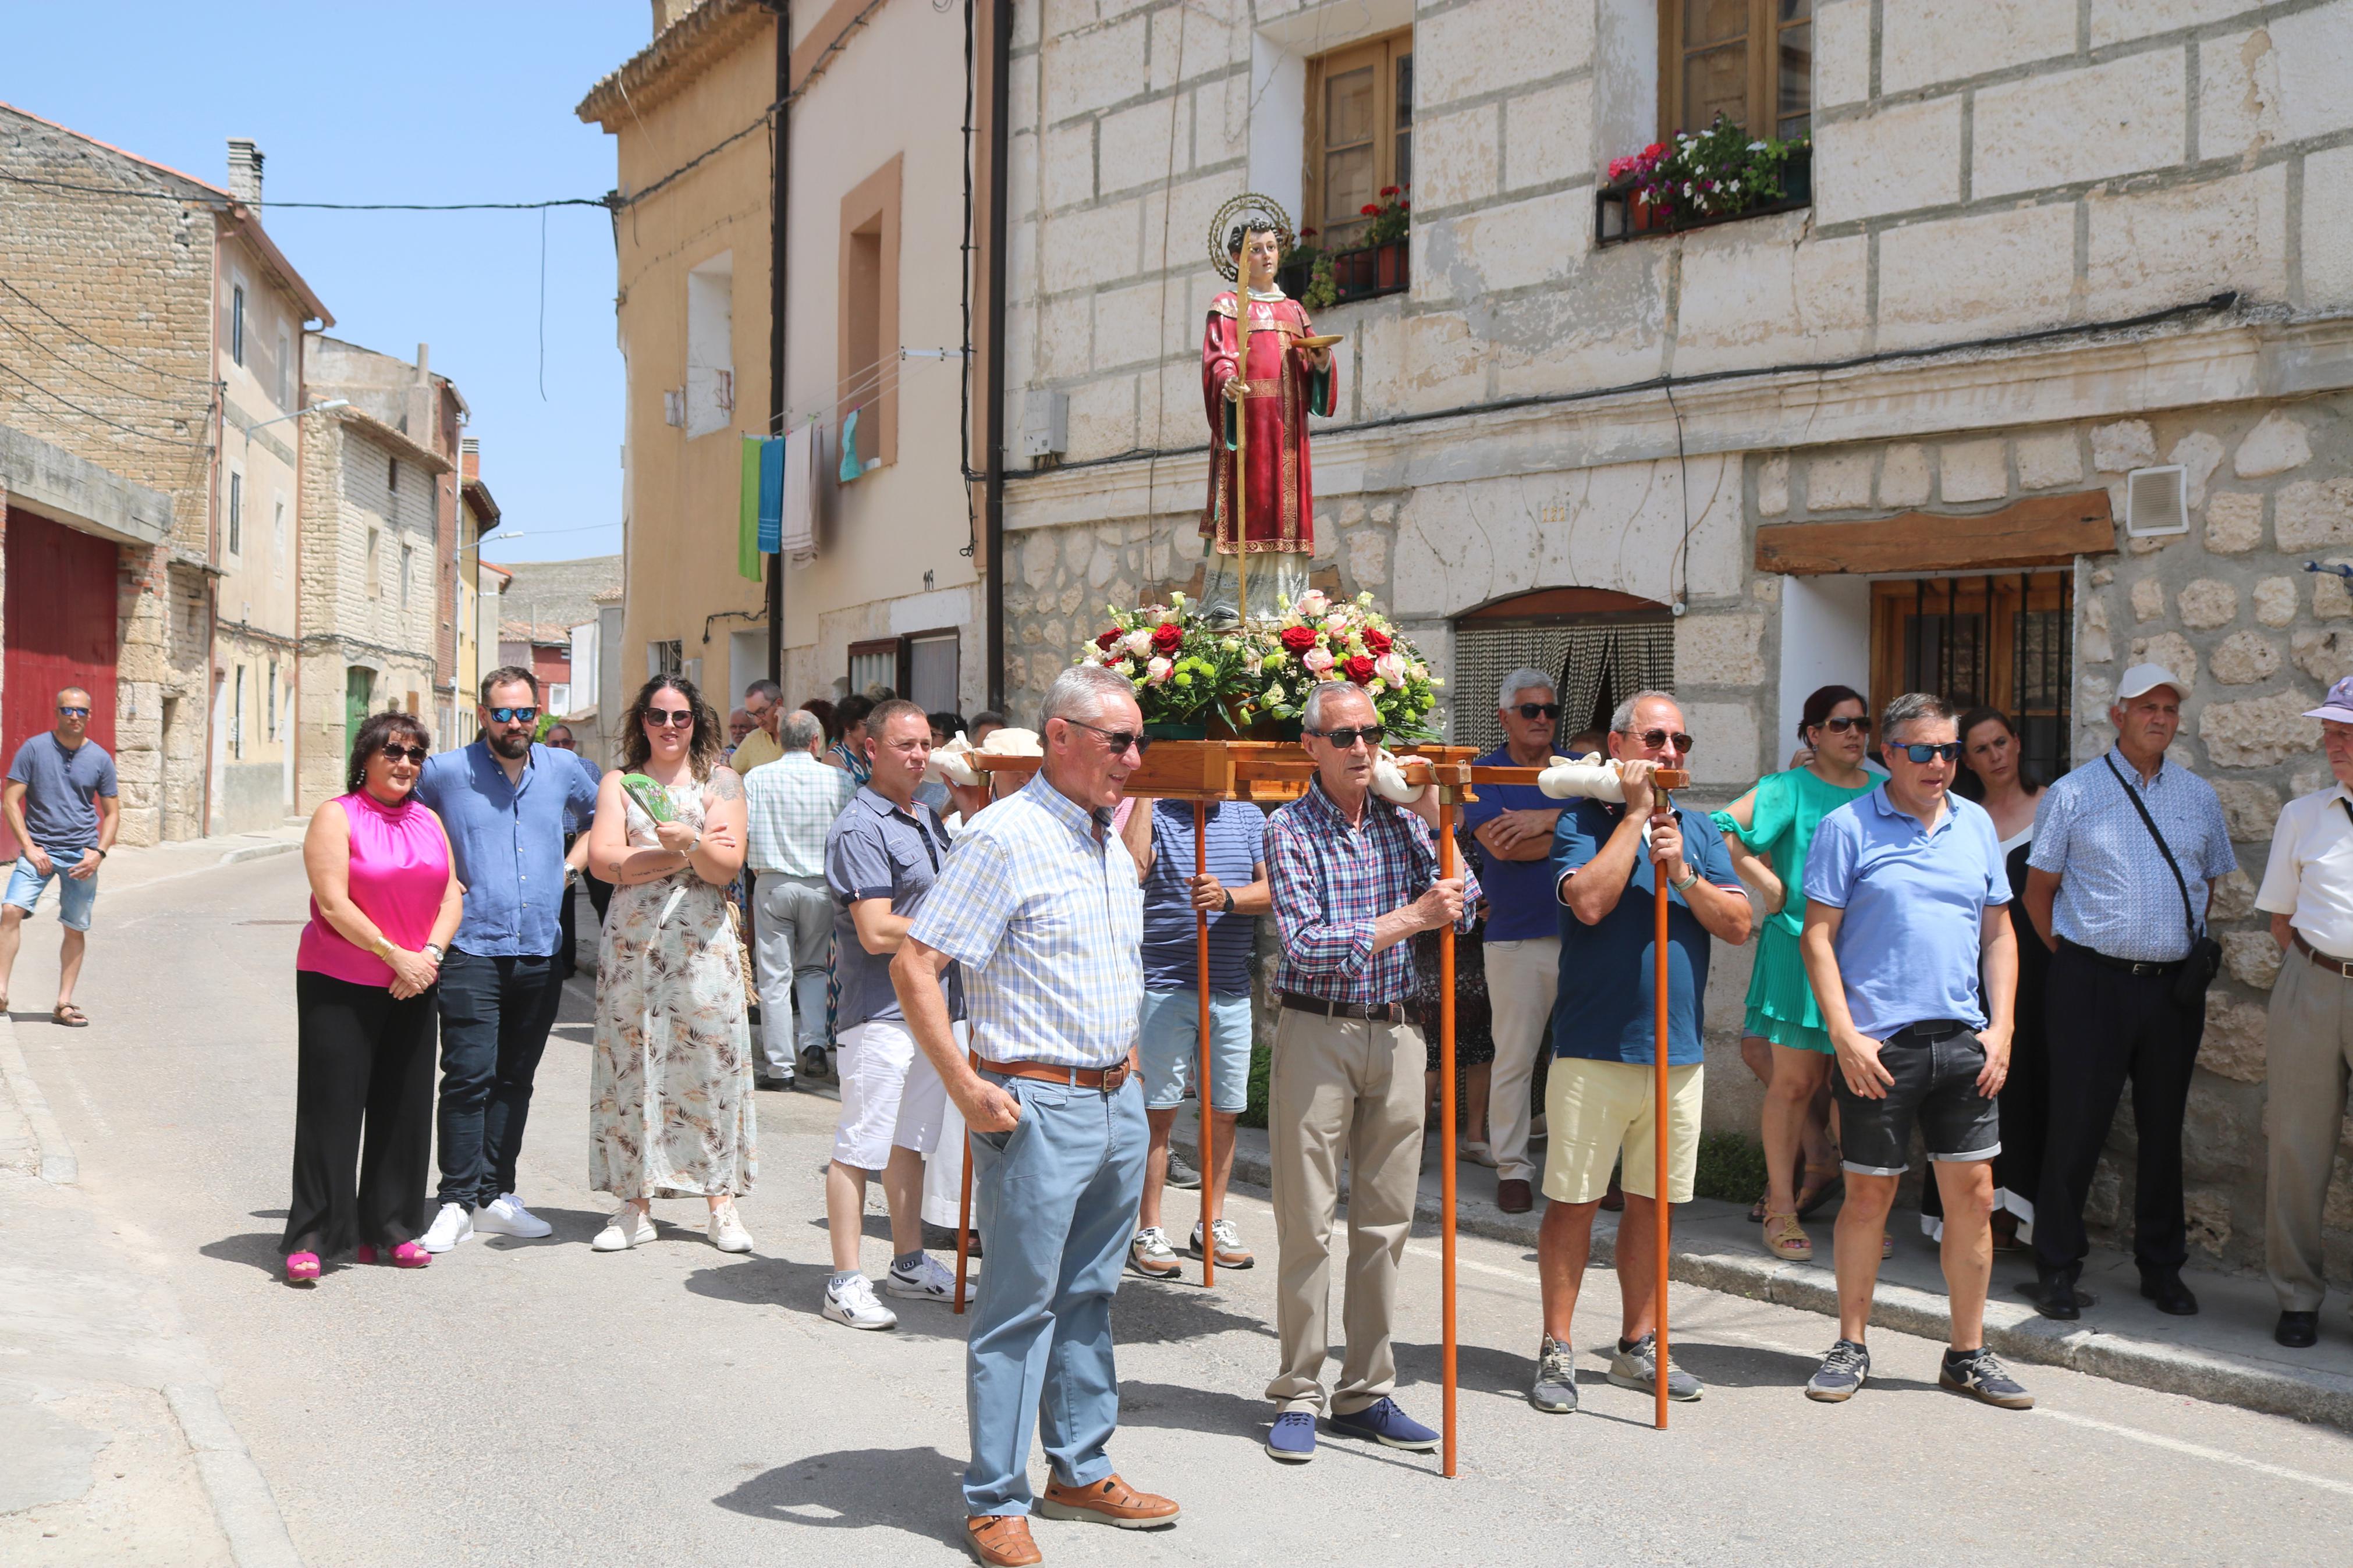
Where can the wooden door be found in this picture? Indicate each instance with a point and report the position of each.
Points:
(60, 632)
(2003, 640)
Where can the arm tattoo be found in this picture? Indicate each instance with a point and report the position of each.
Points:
(726, 783)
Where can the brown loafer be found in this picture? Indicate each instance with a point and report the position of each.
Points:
(1001, 1539)
(1108, 1501)
(1514, 1196)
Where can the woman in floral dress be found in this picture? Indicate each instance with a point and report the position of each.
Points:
(670, 1085)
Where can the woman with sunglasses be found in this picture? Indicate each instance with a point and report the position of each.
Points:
(384, 901)
(1768, 832)
(670, 1083)
(1992, 775)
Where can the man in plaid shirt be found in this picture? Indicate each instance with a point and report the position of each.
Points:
(789, 805)
(1353, 879)
(1038, 901)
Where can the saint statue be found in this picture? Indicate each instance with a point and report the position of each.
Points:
(1263, 370)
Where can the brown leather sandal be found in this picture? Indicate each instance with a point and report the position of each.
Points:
(1002, 1540)
(71, 1017)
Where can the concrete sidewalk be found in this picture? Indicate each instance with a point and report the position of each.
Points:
(2225, 1353)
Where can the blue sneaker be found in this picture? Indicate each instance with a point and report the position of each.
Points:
(1385, 1423)
(1293, 1438)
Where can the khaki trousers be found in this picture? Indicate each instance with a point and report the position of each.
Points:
(1523, 978)
(1354, 1087)
(2309, 1047)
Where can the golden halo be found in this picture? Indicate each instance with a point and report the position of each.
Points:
(1249, 202)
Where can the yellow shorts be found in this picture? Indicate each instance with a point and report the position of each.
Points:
(1595, 1109)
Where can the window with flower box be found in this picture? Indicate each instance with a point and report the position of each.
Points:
(1352, 236)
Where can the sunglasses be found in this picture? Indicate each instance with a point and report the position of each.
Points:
(414, 755)
(514, 715)
(1538, 710)
(1656, 739)
(1920, 752)
(1119, 741)
(678, 718)
(1345, 739)
(73, 712)
(1840, 726)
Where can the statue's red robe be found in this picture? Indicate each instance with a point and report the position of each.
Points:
(1280, 393)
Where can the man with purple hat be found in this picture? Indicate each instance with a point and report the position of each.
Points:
(2127, 849)
(2309, 892)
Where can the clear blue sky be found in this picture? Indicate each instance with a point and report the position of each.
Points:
(421, 101)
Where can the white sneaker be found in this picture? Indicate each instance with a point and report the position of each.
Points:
(626, 1228)
(450, 1226)
(931, 1281)
(853, 1304)
(727, 1232)
(505, 1216)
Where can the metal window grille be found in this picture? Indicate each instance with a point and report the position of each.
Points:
(1597, 663)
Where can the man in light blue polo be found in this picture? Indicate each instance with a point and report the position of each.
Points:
(505, 801)
(1904, 896)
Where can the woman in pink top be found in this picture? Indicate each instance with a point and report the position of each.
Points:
(384, 904)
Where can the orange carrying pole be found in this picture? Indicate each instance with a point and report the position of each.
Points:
(1446, 867)
(1659, 1123)
(964, 1219)
(1201, 987)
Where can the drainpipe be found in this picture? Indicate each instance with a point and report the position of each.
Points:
(778, 195)
(1000, 118)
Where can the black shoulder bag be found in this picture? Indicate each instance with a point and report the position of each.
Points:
(2205, 959)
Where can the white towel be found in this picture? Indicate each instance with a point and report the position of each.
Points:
(798, 540)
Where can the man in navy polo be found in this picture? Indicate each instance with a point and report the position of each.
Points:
(1601, 1098)
(1905, 922)
(1514, 823)
(504, 802)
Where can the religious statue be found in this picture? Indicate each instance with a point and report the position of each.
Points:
(1263, 370)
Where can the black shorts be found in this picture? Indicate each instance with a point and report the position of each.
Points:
(1935, 1067)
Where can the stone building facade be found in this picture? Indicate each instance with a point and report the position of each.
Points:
(1891, 437)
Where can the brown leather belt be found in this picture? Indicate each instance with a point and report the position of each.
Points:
(1379, 1011)
(2339, 967)
(1105, 1078)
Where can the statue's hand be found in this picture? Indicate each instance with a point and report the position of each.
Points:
(1317, 359)
(1233, 389)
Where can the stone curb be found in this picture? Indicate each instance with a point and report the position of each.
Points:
(59, 1168)
(242, 1502)
(2019, 1332)
(257, 852)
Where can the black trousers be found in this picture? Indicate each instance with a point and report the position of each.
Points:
(495, 1015)
(2103, 1026)
(364, 1100)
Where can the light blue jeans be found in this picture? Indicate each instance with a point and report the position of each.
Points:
(1056, 1202)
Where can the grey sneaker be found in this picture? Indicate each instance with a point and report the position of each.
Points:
(1633, 1366)
(1181, 1173)
(1843, 1371)
(1555, 1389)
(1978, 1375)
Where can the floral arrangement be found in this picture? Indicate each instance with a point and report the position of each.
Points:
(1187, 670)
(1391, 216)
(1719, 173)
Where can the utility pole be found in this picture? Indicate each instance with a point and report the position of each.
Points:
(780, 184)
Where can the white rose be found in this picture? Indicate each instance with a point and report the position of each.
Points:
(1317, 660)
(1157, 671)
(1390, 667)
(1311, 604)
(1138, 642)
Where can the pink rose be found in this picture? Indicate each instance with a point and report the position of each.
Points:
(1317, 660)
(1313, 603)
(1139, 642)
(1157, 671)
(1390, 667)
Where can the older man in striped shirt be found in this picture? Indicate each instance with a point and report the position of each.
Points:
(1040, 901)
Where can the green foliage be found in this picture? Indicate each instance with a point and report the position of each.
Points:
(1731, 1168)
(1260, 1070)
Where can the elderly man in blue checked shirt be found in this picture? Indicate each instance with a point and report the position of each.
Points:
(1354, 879)
(1040, 901)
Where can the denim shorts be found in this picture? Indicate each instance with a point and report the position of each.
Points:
(75, 899)
(1169, 1042)
(1935, 1067)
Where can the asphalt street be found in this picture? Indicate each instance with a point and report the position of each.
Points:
(534, 1403)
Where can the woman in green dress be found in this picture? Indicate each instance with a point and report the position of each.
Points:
(1768, 831)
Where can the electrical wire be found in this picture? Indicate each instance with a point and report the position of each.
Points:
(204, 381)
(92, 413)
(83, 371)
(219, 202)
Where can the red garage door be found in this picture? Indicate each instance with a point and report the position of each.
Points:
(59, 632)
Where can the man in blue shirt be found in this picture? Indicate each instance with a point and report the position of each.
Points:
(1600, 1098)
(505, 803)
(60, 805)
(1159, 836)
(1904, 896)
(1514, 823)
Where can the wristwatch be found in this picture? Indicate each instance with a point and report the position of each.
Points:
(1230, 900)
(1686, 885)
(433, 951)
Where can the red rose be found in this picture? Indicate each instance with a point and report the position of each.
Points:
(1359, 669)
(1298, 639)
(1108, 638)
(1377, 641)
(1165, 638)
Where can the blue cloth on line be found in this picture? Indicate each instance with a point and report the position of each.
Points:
(771, 496)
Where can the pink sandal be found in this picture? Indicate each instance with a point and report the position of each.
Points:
(301, 1268)
(407, 1255)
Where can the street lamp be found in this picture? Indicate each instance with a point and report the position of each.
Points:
(315, 408)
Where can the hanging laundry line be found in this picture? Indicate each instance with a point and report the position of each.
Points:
(872, 384)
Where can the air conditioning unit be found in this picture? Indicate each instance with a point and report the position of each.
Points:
(2156, 501)
(674, 406)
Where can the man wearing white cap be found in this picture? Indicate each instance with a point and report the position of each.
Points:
(2127, 849)
(2309, 892)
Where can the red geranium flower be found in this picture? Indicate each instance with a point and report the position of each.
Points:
(1165, 638)
(1370, 209)
(1359, 670)
(1108, 638)
(1377, 641)
(1298, 639)
(1308, 233)
(1389, 190)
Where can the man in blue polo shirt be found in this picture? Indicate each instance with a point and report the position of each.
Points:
(504, 802)
(1514, 824)
(1600, 1098)
(1159, 836)
(1904, 896)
